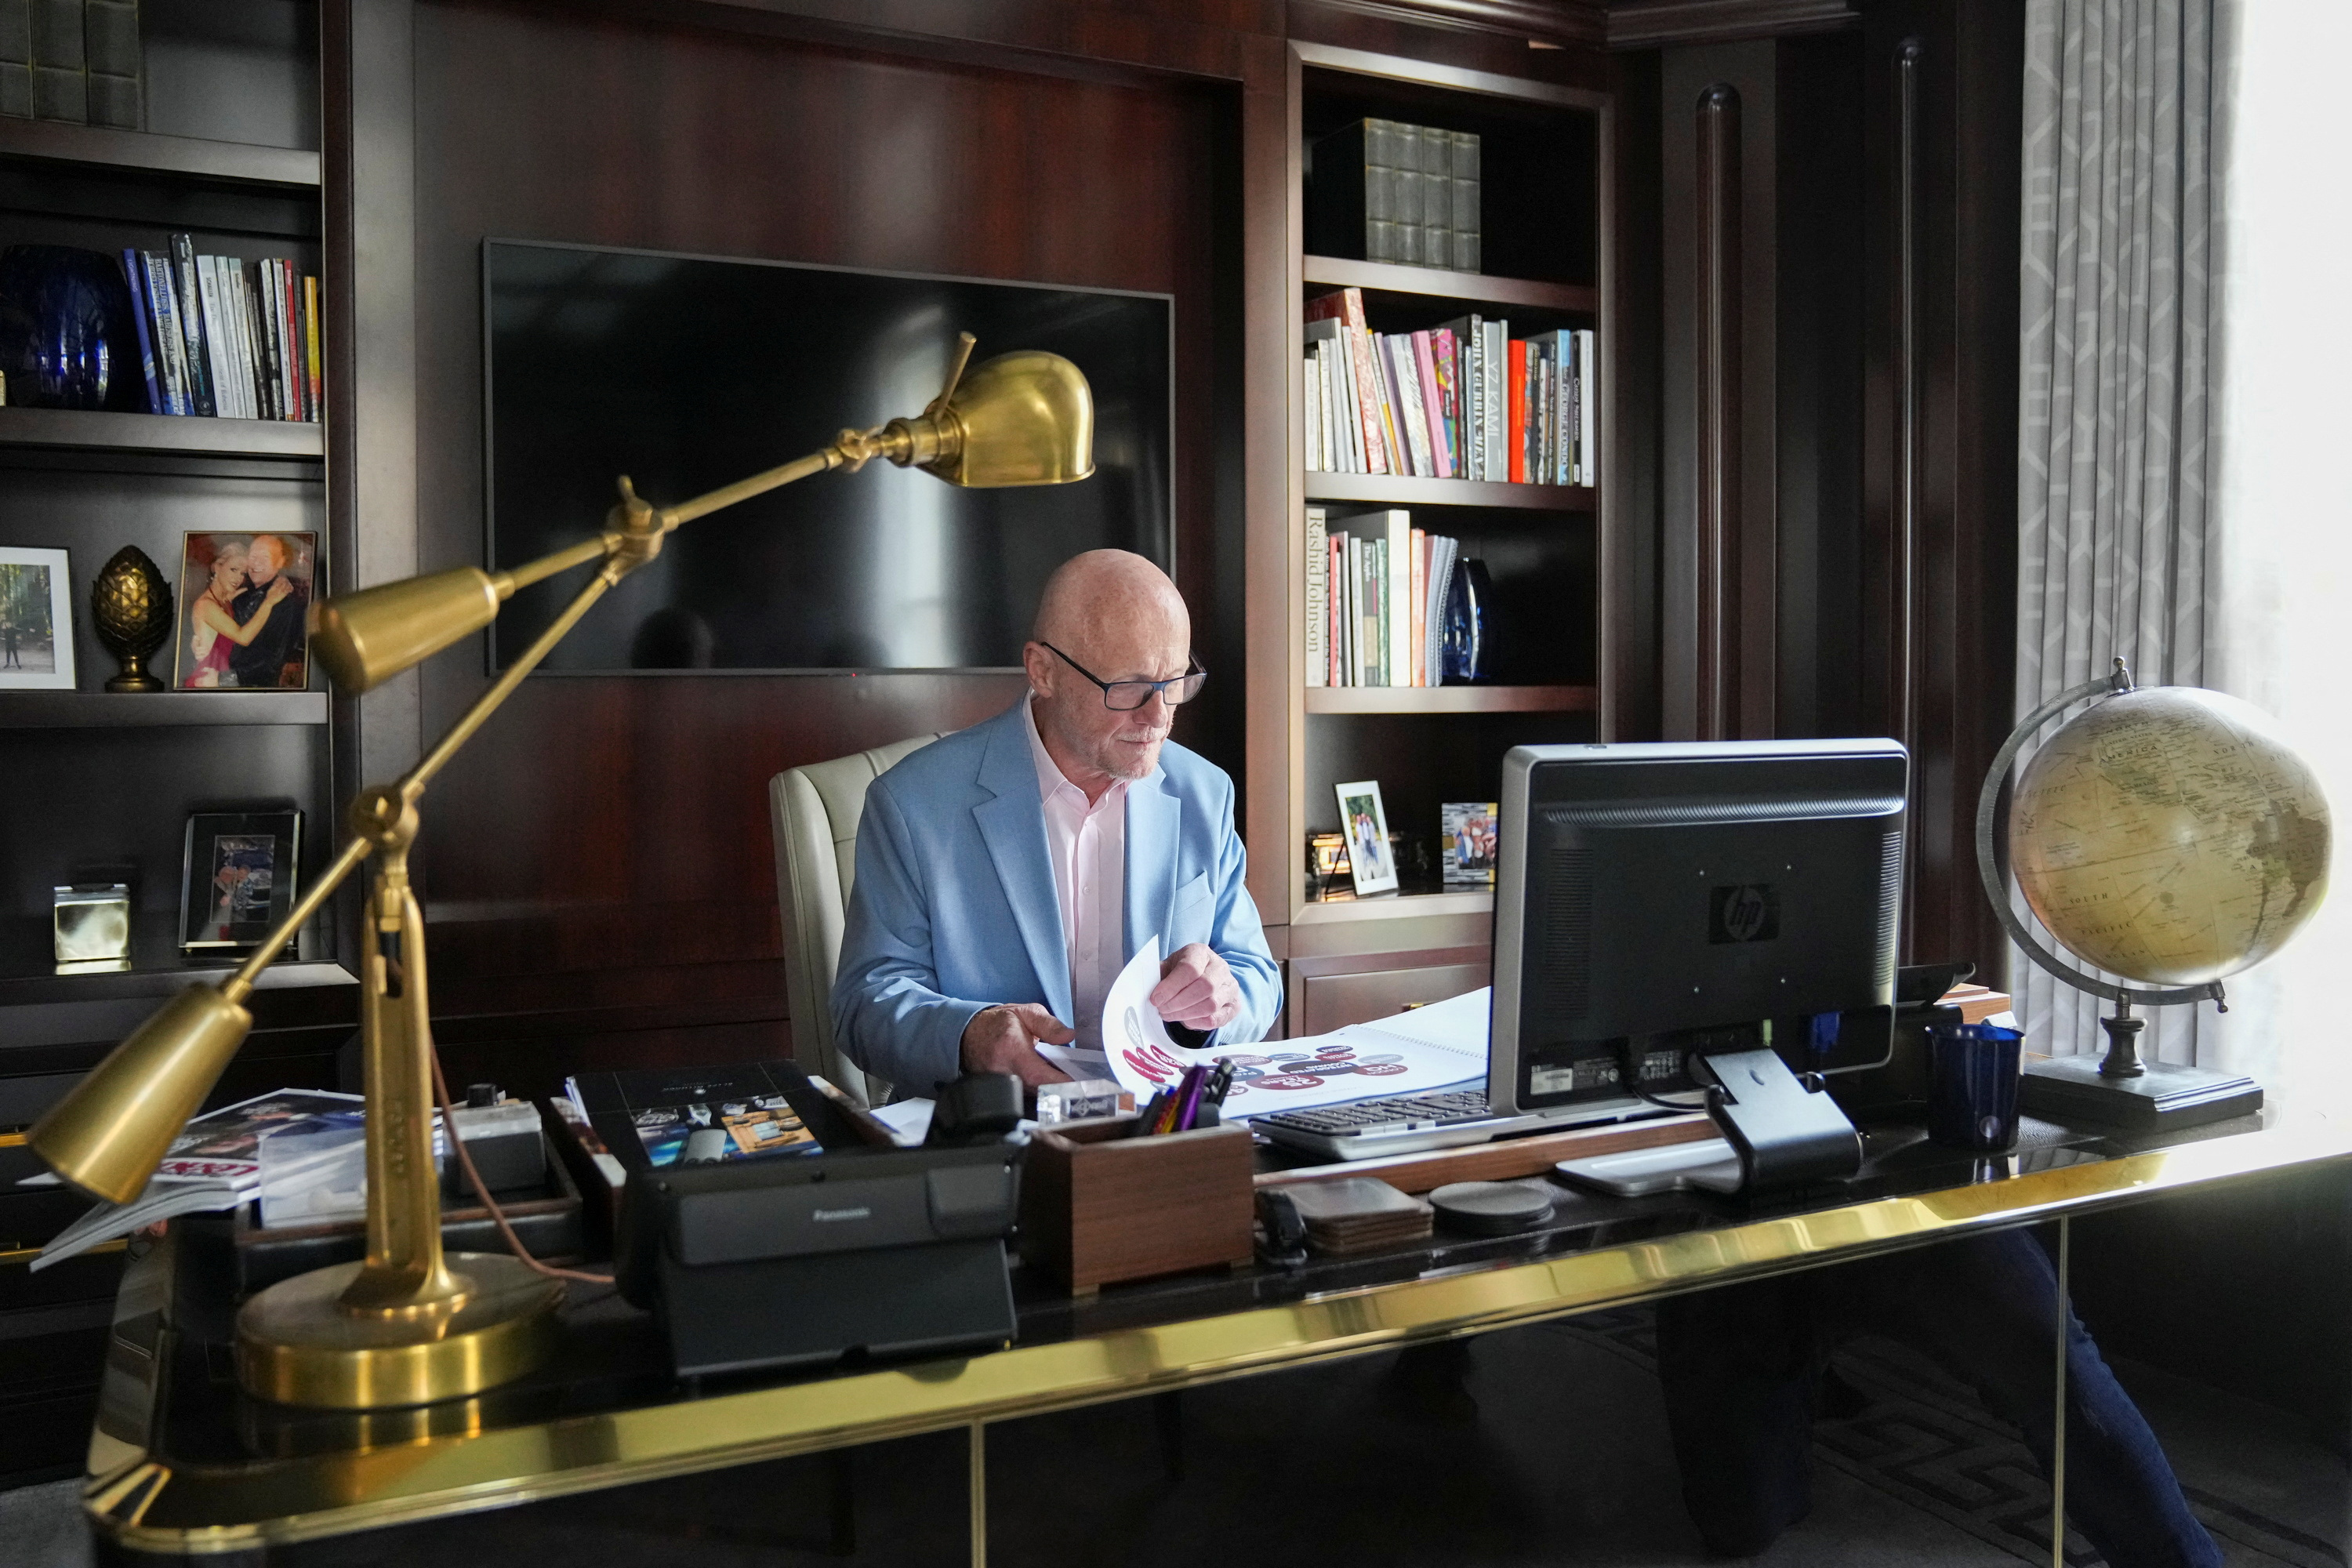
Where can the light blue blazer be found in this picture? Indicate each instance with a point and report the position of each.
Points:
(954, 907)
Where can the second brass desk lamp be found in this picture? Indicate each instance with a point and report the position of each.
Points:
(411, 1325)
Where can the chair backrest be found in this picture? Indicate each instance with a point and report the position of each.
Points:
(815, 812)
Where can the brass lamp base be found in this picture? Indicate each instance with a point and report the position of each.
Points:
(296, 1345)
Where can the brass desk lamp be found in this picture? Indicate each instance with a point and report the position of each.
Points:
(411, 1324)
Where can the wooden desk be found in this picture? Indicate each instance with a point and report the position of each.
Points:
(181, 1463)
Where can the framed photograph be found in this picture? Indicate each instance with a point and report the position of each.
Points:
(239, 876)
(1467, 844)
(36, 645)
(244, 598)
(1365, 822)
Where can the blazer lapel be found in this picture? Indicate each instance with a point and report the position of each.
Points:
(1012, 825)
(1154, 815)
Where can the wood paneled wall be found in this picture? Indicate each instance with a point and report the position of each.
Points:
(598, 863)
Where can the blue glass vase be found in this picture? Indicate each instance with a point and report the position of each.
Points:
(1469, 651)
(68, 337)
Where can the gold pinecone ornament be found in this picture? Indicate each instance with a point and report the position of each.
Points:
(130, 609)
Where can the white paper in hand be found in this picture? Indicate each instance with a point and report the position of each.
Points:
(1143, 1058)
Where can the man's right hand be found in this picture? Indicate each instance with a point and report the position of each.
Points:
(1003, 1038)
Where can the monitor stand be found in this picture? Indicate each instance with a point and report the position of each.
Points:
(1786, 1130)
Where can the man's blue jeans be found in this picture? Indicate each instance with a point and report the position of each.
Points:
(1741, 1366)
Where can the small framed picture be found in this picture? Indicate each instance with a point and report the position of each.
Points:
(244, 598)
(36, 645)
(238, 881)
(1468, 843)
(1365, 821)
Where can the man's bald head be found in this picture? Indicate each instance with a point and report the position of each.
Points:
(1103, 591)
(1112, 615)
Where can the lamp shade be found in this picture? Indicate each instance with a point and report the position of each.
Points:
(1024, 418)
(367, 637)
(107, 1136)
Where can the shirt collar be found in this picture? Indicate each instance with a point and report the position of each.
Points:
(1050, 777)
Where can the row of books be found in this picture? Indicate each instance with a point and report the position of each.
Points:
(77, 60)
(220, 337)
(1391, 192)
(1461, 401)
(1376, 597)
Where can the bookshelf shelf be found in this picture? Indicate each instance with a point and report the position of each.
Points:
(157, 710)
(1452, 700)
(144, 153)
(1346, 907)
(1393, 490)
(1432, 282)
(98, 430)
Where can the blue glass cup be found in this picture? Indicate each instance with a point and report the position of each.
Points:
(1972, 1076)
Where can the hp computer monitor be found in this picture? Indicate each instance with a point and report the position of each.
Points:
(1654, 902)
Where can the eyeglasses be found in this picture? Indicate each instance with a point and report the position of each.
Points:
(1126, 696)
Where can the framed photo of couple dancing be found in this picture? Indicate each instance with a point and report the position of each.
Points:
(244, 602)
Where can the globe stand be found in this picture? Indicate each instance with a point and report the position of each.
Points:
(2119, 1090)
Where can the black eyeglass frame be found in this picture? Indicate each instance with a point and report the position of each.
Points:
(1193, 672)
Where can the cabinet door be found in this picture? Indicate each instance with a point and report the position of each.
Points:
(1330, 994)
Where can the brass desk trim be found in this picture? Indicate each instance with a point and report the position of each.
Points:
(141, 1503)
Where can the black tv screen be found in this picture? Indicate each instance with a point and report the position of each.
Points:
(687, 372)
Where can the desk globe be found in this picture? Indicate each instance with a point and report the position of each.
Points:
(2167, 835)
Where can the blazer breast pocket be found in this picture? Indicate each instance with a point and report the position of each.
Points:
(1191, 915)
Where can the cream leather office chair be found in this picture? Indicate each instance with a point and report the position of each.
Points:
(813, 811)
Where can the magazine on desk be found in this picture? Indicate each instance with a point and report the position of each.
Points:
(216, 1164)
(1442, 1045)
(650, 1117)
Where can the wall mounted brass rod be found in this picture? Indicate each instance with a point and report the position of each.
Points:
(580, 554)
(757, 484)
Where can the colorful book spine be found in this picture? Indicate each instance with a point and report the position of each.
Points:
(1347, 306)
(1412, 418)
(317, 366)
(1343, 603)
(193, 350)
(1319, 588)
(1587, 389)
(134, 273)
(172, 368)
(1518, 412)
(1427, 393)
(1396, 605)
(1445, 369)
(1417, 598)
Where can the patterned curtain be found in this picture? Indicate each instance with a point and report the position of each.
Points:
(2113, 459)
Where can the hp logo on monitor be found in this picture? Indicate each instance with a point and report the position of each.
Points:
(1744, 912)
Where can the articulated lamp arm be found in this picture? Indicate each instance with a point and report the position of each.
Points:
(1022, 418)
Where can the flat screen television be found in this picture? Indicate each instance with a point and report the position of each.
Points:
(687, 372)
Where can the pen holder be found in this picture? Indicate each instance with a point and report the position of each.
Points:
(1099, 1205)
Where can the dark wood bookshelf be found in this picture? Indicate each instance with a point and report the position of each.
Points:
(1437, 282)
(138, 711)
(144, 153)
(98, 430)
(1393, 490)
(1452, 699)
(159, 980)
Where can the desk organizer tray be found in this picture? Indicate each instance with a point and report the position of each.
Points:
(233, 1253)
(1099, 1205)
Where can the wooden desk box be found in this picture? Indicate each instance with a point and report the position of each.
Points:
(1099, 1205)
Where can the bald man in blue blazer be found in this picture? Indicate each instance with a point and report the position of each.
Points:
(1007, 873)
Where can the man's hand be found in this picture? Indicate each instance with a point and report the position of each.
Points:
(1196, 989)
(1003, 1038)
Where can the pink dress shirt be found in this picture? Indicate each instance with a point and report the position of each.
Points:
(1088, 847)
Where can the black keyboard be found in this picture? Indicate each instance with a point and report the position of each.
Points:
(1409, 1123)
(1404, 1111)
